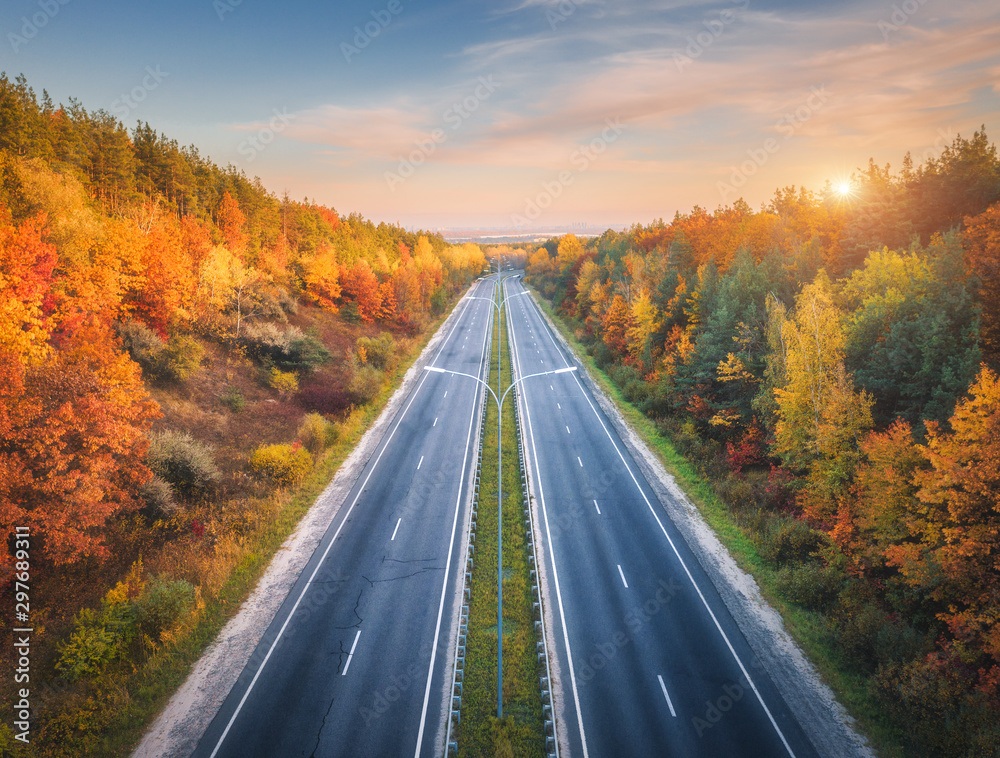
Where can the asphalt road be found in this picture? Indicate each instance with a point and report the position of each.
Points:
(357, 661)
(651, 662)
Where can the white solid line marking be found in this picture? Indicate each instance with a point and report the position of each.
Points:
(435, 421)
(420, 463)
(555, 573)
(319, 565)
(669, 704)
(697, 589)
(552, 388)
(567, 430)
(579, 461)
(446, 393)
(393, 538)
(447, 574)
(622, 575)
(350, 655)
(558, 406)
(598, 508)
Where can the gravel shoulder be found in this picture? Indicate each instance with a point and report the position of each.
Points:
(824, 720)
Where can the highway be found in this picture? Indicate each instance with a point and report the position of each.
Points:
(651, 662)
(357, 661)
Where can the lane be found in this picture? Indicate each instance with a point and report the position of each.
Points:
(356, 661)
(652, 662)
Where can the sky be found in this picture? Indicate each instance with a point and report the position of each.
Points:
(525, 113)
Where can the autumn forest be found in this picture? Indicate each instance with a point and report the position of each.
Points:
(185, 358)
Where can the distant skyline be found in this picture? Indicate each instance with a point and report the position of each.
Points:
(526, 113)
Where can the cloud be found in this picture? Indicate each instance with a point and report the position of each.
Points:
(695, 89)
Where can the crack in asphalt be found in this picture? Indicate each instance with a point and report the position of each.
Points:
(322, 725)
(414, 560)
(405, 576)
(356, 625)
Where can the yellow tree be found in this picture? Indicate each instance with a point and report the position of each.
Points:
(27, 263)
(616, 324)
(643, 324)
(321, 275)
(569, 251)
(590, 274)
(232, 224)
(821, 419)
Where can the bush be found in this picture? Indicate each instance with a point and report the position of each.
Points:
(305, 354)
(161, 605)
(739, 493)
(381, 350)
(158, 496)
(315, 433)
(142, 344)
(867, 636)
(788, 541)
(176, 359)
(288, 303)
(271, 303)
(284, 464)
(603, 355)
(185, 464)
(621, 375)
(288, 348)
(268, 340)
(99, 636)
(88, 649)
(350, 313)
(233, 398)
(284, 381)
(366, 384)
(935, 705)
(325, 397)
(180, 358)
(811, 585)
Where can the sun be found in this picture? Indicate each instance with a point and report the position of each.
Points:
(844, 189)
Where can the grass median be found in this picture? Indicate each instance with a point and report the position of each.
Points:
(519, 732)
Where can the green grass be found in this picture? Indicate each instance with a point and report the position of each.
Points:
(519, 732)
(806, 627)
